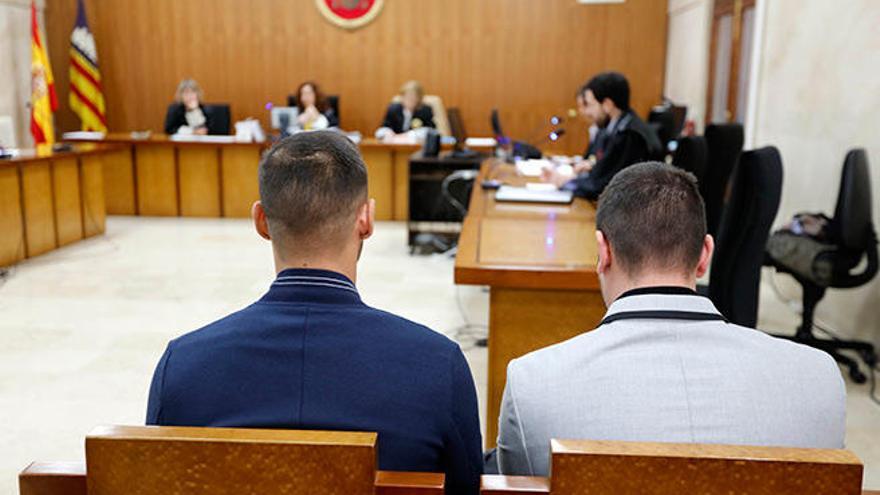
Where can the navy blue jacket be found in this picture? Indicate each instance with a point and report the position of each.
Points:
(311, 355)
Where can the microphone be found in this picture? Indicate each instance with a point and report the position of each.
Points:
(538, 131)
(555, 135)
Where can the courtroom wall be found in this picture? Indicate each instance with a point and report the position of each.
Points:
(818, 95)
(15, 76)
(525, 57)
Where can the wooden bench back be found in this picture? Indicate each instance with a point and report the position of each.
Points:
(139, 460)
(622, 468)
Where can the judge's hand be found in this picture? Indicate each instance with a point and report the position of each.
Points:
(311, 113)
(201, 131)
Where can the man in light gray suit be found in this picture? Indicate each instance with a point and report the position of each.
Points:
(664, 365)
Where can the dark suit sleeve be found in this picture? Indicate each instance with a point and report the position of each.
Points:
(463, 457)
(628, 148)
(154, 403)
(389, 120)
(174, 119)
(211, 121)
(428, 119)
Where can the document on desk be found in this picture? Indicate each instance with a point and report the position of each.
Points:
(533, 195)
(195, 138)
(480, 142)
(83, 136)
(532, 168)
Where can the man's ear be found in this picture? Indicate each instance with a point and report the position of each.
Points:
(260, 222)
(366, 219)
(604, 253)
(705, 255)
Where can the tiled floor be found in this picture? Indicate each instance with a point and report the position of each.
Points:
(82, 327)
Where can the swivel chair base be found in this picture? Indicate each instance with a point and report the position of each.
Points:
(865, 350)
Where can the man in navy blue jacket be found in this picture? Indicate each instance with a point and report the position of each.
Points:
(310, 354)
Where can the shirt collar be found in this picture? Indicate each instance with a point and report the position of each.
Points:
(312, 285)
(672, 290)
(662, 299)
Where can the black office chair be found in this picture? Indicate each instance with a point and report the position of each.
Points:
(724, 143)
(662, 121)
(742, 236)
(691, 154)
(679, 114)
(851, 237)
(218, 117)
(332, 102)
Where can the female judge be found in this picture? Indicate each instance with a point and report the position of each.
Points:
(314, 112)
(187, 115)
(407, 115)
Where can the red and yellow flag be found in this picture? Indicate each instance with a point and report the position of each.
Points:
(86, 96)
(43, 98)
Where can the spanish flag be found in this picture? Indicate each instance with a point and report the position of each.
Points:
(43, 99)
(86, 96)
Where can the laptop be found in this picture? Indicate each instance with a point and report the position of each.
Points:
(531, 195)
(283, 118)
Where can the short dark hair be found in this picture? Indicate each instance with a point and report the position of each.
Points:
(610, 85)
(311, 185)
(653, 217)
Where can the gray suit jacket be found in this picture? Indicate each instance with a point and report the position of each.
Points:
(669, 381)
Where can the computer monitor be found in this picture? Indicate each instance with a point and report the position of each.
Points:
(283, 117)
(456, 125)
(496, 124)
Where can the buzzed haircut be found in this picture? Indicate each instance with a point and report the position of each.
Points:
(311, 185)
(654, 218)
(610, 85)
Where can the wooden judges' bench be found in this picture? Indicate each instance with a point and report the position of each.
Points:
(49, 199)
(539, 263)
(160, 176)
(207, 461)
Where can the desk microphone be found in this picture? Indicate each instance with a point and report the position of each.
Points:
(552, 137)
(554, 121)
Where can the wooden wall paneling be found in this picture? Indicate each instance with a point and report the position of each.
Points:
(39, 211)
(524, 57)
(91, 176)
(119, 182)
(68, 200)
(380, 176)
(239, 166)
(198, 169)
(156, 179)
(12, 241)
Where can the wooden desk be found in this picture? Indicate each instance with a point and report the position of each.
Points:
(159, 176)
(50, 199)
(539, 264)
